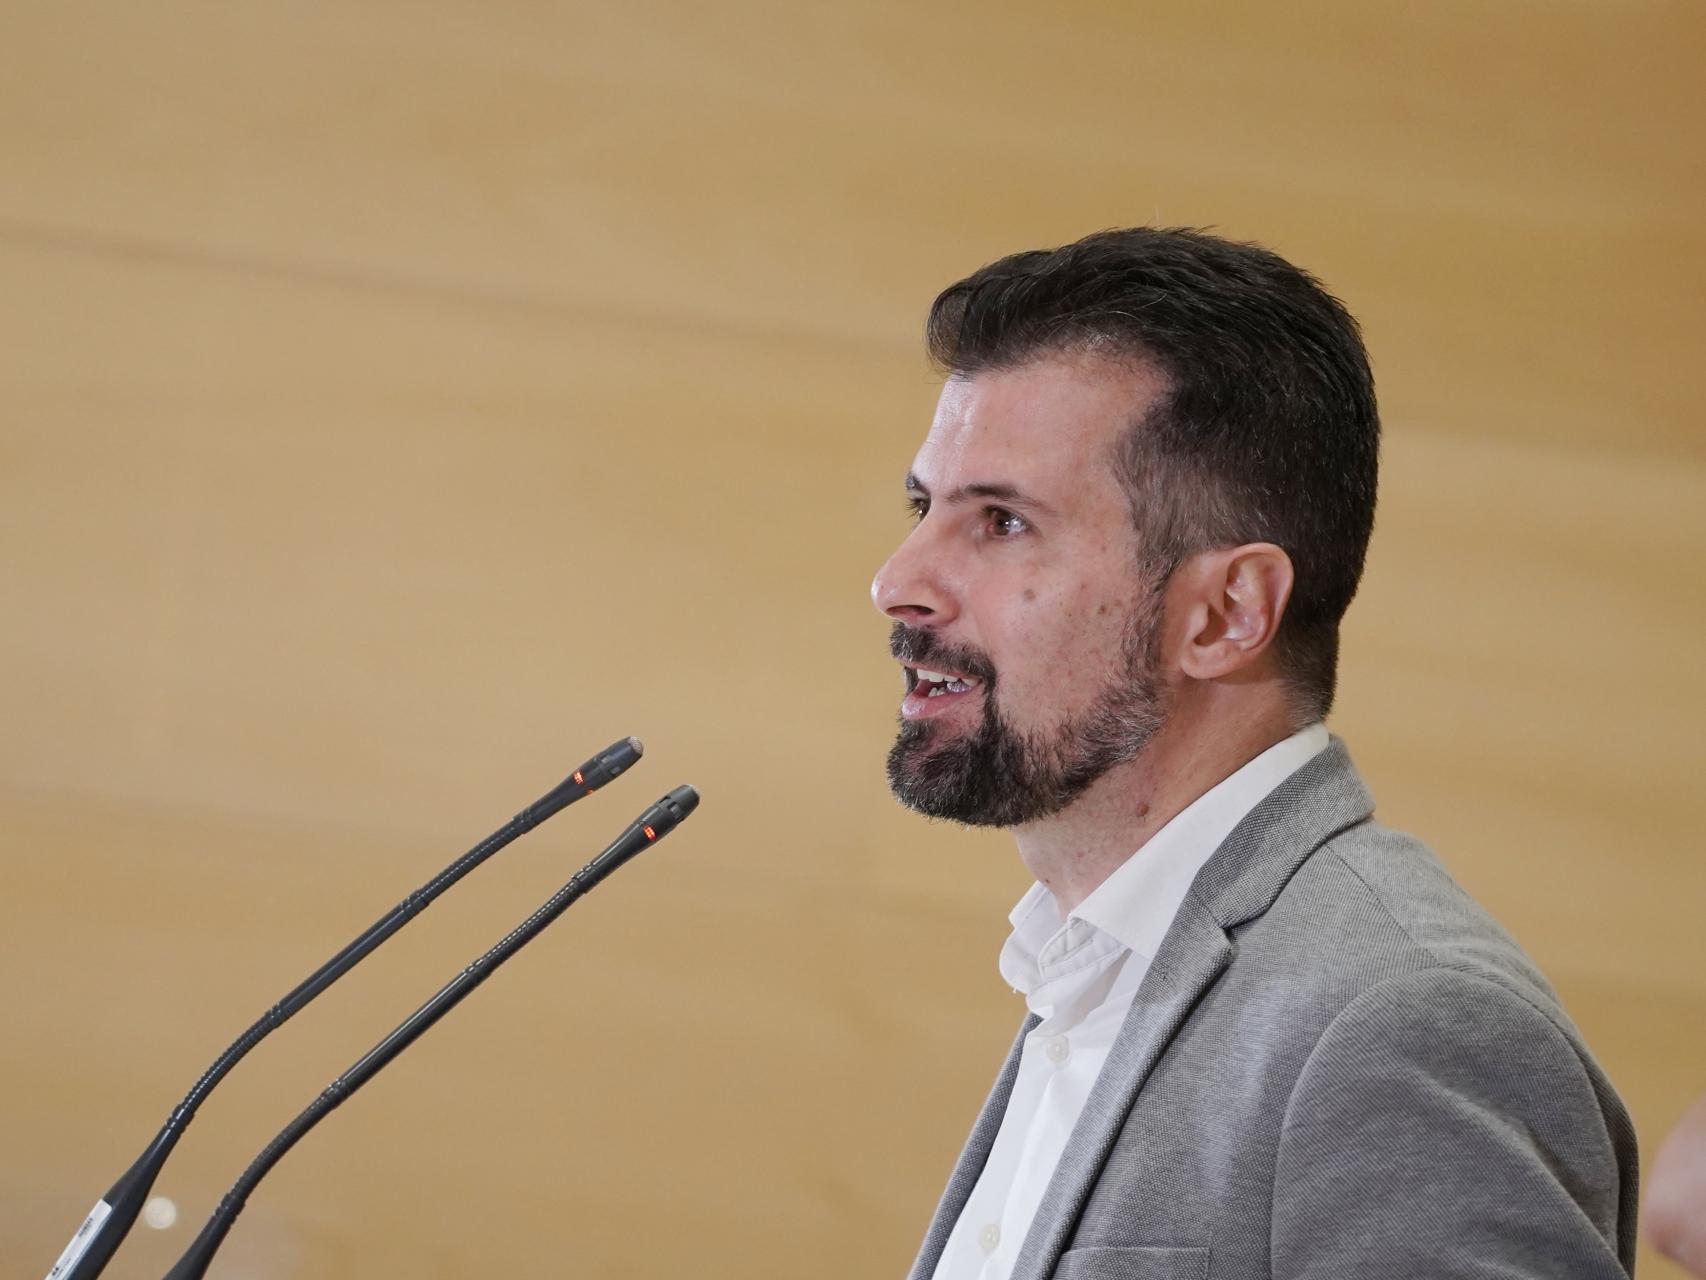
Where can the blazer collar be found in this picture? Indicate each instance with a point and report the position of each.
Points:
(1244, 876)
(1239, 882)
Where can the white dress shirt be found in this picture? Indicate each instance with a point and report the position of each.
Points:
(1079, 976)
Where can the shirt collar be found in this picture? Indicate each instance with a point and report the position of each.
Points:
(1133, 908)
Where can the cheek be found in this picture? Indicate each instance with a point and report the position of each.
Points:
(1076, 627)
(1050, 630)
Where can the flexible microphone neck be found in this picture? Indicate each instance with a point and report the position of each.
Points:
(95, 1242)
(651, 826)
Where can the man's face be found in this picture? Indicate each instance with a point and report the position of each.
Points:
(1021, 584)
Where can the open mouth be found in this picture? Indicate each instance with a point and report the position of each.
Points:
(930, 693)
(936, 684)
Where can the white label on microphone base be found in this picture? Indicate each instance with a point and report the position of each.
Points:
(82, 1240)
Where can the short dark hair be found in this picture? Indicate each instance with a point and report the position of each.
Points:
(1267, 430)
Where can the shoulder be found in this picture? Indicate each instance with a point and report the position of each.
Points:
(1441, 1063)
(1372, 951)
(1378, 902)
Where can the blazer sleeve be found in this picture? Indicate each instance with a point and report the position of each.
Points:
(1445, 1126)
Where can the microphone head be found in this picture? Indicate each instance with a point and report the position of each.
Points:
(682, 801)
(622, 754)
(607, 766)
(667, 814)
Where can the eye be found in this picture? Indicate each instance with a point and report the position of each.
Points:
(916, 506)
(1004, 523)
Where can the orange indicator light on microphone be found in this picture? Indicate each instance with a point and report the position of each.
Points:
(650, 834)
(579, 779)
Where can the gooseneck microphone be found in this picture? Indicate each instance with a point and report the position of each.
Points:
(113, 1215)
(652, 825)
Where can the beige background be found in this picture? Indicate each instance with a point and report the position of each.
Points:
(400, 402)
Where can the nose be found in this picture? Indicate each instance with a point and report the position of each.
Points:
(910, 587)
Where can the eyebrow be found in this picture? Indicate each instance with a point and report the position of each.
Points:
(999, 492)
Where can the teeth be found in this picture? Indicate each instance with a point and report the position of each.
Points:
(935, 683)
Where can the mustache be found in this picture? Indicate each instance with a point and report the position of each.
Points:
(923, 648)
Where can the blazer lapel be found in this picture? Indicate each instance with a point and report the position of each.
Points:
(969, 1167)
(1238, 883)
(1192, 957)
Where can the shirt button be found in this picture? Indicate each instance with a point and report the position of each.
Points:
(989, 1237)
(1058, 1049)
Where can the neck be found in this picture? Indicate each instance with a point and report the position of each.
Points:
(1074, 851)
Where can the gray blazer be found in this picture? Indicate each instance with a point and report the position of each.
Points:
(1337, 1066)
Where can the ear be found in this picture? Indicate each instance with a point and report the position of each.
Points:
(1236, 598)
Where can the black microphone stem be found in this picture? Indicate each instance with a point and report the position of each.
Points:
(113, 1215)
(653, 825)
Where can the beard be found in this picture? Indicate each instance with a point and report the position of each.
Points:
(1000, 776)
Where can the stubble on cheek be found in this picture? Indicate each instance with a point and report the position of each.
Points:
(1047, 657)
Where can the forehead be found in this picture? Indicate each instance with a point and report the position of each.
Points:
(1047, 426)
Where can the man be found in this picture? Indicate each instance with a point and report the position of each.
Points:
(1267, 1037)
(1676, 1195)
